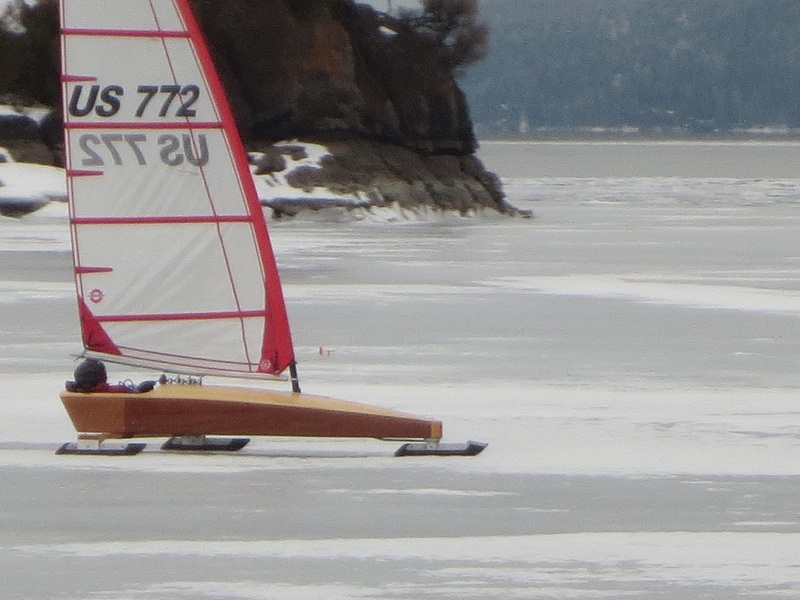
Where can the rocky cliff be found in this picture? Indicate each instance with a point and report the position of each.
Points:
(366, 84)
(317, 67)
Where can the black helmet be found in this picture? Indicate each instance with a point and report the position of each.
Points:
(89, 373)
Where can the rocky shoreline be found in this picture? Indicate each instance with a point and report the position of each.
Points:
(364, 174)
(307, 175)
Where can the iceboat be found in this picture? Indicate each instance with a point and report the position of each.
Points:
(173, 265)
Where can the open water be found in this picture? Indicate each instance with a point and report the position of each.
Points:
(632, 355)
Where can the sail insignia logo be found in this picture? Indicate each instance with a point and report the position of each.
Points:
(96, 296)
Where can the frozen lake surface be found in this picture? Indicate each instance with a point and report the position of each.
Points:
(632, 356)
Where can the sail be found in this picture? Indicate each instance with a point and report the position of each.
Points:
(173, 264)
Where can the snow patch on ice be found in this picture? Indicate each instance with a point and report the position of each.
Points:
(45, 230)
(652, 291)
(16, 291)
(247, 590)
(422, 492)
(746, 558)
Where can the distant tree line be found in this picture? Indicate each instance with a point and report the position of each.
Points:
(701, 65)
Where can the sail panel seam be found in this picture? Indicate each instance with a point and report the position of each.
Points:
(77, 78)
(83, 173)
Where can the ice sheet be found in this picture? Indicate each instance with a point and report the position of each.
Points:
(631, 356)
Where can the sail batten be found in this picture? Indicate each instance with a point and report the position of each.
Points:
(183, 316)
(124, 33)
(71, 173)
(139, 126)
(173, 264)
(77, 79)
(146, 220)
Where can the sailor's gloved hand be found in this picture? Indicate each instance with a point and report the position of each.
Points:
(145, 386)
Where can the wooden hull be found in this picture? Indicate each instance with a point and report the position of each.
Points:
(184, 410)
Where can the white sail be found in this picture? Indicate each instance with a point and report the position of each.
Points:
(173, 263)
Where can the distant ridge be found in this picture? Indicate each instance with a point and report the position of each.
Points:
(654, 66)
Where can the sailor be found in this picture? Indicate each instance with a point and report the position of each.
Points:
(91, 377)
